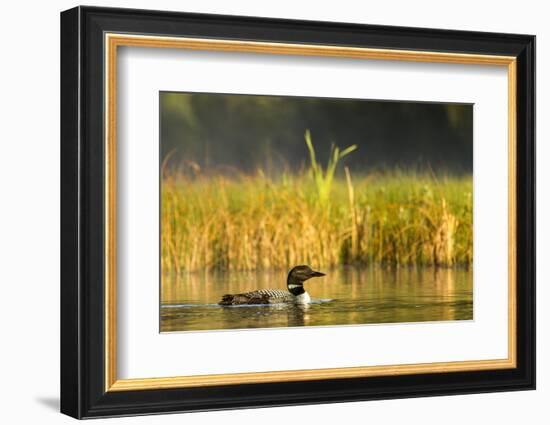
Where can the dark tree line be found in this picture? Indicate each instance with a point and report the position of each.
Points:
(246, 132)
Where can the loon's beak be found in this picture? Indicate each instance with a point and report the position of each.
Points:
(317, 274)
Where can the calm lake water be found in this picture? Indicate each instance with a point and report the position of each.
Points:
(344, 297)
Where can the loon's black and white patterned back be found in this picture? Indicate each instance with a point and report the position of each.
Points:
(275, 294)
(259, 296)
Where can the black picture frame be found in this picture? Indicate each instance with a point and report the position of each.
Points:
(83, 392)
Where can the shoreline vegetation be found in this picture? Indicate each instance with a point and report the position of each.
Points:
(315, 216)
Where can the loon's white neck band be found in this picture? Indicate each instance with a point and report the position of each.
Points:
(295, 288)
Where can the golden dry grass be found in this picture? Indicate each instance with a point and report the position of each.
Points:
(256, 222)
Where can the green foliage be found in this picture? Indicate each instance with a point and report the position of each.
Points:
(323, 178)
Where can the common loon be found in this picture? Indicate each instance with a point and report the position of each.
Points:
(295, 294)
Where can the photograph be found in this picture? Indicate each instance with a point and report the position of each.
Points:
(234, 188)
(289, 211)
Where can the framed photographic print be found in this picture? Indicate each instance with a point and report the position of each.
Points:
(261, 212)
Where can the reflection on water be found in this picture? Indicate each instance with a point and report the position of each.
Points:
(345, 296)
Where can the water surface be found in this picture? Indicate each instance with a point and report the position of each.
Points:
(346, 296)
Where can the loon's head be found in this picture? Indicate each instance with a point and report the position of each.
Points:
(297, 276)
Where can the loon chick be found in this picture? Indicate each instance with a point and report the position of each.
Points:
(295, 294)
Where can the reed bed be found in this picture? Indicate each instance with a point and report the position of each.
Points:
(256, 222)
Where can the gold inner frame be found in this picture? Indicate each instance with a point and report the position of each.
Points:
(113, 41)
